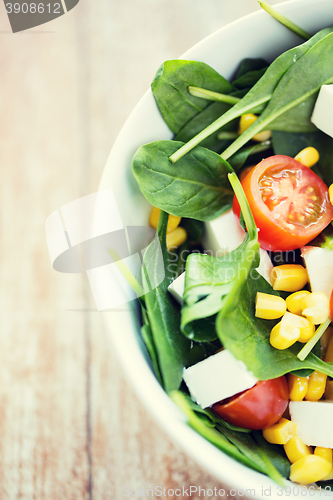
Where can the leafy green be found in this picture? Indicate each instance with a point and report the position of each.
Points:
(247, 337)
(248, 66)
(293, 99)
(203, 120)
(238, 160)
(172, 348)
(239, 446)
(259, 94)
(149, 342)
(275, 453)
(170, 89)
(194, 228)
(197, 187)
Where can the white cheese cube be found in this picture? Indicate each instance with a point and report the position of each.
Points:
(323, 110)
(319, 265)
(314, 422)
(222, 235)
(176, 288)
(217, 377)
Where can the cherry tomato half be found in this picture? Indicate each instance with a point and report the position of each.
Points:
(258, 407)
(289, 202)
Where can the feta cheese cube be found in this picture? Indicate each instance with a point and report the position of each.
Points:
(314, 422)
(217, 377)
(323, 110)
(176, 288)
(319, 265)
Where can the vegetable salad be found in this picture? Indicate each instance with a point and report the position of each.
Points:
(245, 347)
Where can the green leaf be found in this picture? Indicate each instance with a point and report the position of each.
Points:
(248, 65)
(246, 451)
(248, 446)
(172, 348)
(203, 120)
(197, 187)
(296, 92)
(170, 89)
(259, 94)
(238, 160)
(247, 337)
(275, 453)
(149, 341)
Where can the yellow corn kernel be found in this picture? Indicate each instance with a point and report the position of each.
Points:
(295, 449)
(289, 277)
(269, 306)
(329, 352)
(316, 307)
(330, 193)
(324, 453)
(246, 121)
(316, 387)
(281, 432)
(329, 390)
(308, 156)
(309, 469)
(306, 328)
(294, 301)
(298, 387)
(176, 238)
(284, 335)
(173, 220)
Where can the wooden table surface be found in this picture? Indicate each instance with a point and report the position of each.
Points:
(71, 426)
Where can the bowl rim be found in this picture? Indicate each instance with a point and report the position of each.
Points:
(165, 413)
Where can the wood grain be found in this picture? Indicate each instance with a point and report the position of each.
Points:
(70, 425)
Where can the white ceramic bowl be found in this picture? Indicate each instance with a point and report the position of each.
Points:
(256, 35)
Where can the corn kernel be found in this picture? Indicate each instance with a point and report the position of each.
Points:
(316, 307)
(281, 432)
(295, 449)
(284, 335)
(294, 301)
(329, 390)
(306, 328)
(329, 352)
(309, 469)
(308, 156)
(246, 121)
(330, 193)
(298, 387)
(269, 306)
(289, 277)
(176, 238)
(316, 387)
(324, 453)
(173, 220)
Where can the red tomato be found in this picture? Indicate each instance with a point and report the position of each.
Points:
(256, 408)
(289, 202)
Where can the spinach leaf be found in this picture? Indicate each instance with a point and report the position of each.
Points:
(197, 187)
(247, 337)
(207, 280)
(172, 348)
(170, 89)
(259, 94)
(248, 65)
(247, 445)
(201, 121)
(290, 144)
(149, 342)
(275, 453)
(238, 160)
(249, 79)
(246, 451)
(294, 96)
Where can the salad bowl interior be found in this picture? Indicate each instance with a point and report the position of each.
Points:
(268, 39)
